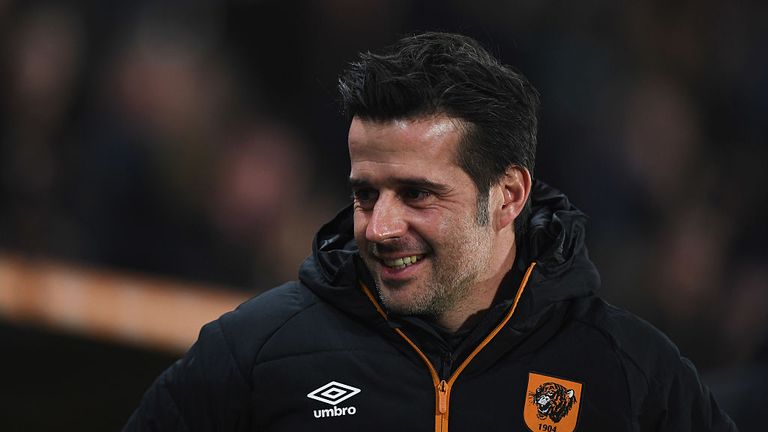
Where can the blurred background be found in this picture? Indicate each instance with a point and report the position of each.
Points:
(162, 161)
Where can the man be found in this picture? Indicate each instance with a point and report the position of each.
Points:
(454, 292)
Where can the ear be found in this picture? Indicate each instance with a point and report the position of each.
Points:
(515, 188)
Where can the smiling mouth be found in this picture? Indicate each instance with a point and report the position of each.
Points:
(401, 263)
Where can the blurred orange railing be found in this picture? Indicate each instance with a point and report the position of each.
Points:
(146, 311)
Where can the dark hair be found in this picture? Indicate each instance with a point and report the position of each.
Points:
(443, 73)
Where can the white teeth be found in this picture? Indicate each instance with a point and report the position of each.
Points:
(404, 262)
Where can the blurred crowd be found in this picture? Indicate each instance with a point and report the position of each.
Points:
(201, 140)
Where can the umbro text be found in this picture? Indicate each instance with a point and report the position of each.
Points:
(335, 412)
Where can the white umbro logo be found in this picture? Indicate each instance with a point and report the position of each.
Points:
(334, 393)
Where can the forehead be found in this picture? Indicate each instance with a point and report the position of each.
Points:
(421, 140)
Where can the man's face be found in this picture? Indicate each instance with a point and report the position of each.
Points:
(416, 214)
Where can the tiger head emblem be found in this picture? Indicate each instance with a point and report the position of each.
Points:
(552, 401)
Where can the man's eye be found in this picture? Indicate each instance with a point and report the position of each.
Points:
(364, 196)
(415, 194)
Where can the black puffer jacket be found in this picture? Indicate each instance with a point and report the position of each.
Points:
(320, 354)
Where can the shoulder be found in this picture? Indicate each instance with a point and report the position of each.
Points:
(664, 385)
(263, 314)
(206, 389)
(244, 331)
(287, 321)
(644, 348)
(648, 359)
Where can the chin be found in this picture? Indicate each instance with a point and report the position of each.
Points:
(398, 298)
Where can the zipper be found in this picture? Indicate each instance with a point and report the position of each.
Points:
(442, 397)
(443, 387)
(446, 359)
(441, 425)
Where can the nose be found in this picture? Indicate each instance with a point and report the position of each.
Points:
(387, 219)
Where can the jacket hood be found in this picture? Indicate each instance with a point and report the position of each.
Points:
(331, 271)
(554, 239)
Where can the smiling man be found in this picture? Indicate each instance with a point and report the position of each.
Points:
(416, 219)
(455, 291)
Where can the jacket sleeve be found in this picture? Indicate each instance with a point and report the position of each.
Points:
(678, 401)
(205, 390)
(665, 390)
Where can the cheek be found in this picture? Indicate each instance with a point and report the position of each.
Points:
(454, 229)
(439, 221)
(429, 227)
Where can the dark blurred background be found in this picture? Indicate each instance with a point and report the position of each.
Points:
(199, 142)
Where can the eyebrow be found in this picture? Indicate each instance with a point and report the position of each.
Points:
(415, 182)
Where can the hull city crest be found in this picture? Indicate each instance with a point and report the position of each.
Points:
(551, 404)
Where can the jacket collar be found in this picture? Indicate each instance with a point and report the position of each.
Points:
(555, 239)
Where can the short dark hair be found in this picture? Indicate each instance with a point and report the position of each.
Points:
(443, 73)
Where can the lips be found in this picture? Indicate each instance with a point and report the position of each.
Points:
(402, 262)
(395, 270)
